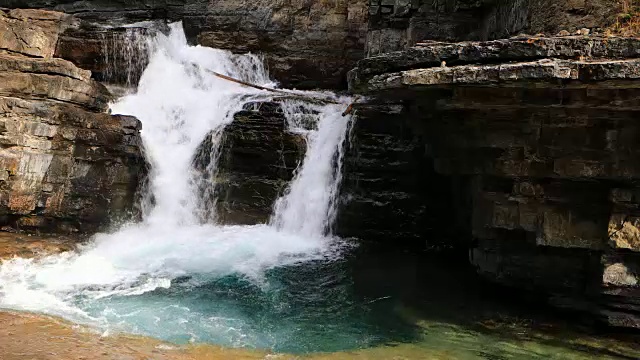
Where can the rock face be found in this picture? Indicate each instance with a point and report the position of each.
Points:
(307, 44)
(400, 24)
(115, 55)
(534, 141)
(257, 159)
(65, 164)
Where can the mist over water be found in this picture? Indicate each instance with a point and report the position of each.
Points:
(180, 104)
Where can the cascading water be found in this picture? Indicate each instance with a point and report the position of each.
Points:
(125, 53)
(308, 207)
(152, 277)
(179, 276)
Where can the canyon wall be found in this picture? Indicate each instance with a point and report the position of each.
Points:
(535, 142)
(257, 160)
(307, 44)
(65, 164)
(400, 24)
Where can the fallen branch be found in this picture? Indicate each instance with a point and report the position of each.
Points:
(244, 83)
(289, 95)
(349, 109)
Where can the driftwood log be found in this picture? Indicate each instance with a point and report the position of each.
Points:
(287, 94)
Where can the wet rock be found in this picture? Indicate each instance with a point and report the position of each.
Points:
(532, 143)
(115, 55)
(257, 160)
(65, 164)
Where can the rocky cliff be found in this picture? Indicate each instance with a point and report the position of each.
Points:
(535, 142)
(65, 164)
(307, 44)
(400, 24)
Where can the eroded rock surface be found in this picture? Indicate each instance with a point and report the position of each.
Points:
(258, 156)
(534, 141)
(307, 44)
(400, 24)
(65, 164)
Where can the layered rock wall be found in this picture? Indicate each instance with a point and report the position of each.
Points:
(538, 138)
(400, 24)
(65, 164)
(307, 44)
(257, 158)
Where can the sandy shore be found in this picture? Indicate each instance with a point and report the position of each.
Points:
(30, 336)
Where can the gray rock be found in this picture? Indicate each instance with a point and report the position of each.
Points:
(497, 51)
(532, 145)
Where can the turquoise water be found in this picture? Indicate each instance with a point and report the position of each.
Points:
(393, 303)
(304, 308)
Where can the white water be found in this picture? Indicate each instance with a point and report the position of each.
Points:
(126, 47)
(308, 208)
(179, 105)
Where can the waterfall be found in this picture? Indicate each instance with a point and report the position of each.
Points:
(308, 206)
(180, 105)
(125, 53)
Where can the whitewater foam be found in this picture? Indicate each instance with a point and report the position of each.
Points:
(180, 104)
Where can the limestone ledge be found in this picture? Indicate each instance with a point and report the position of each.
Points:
(502, 74)
(571, 57)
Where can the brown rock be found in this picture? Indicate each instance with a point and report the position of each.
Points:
(65, 164)
(624, 232)
(31, 32)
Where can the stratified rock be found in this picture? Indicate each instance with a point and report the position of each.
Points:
(533, 146)
(31, 32)
(46, 79)
(115, 55)
(498, 51)
(65, 164)
(400, 24)
(257, 160)
(313, 43)
(307, 44)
